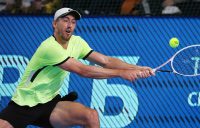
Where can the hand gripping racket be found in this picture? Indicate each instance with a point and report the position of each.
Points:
(185, 62)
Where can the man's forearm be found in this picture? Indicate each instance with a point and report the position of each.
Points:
(99, 72)
(115, 63)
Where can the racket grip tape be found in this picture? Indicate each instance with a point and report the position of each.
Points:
(164, 71)
(158, 70)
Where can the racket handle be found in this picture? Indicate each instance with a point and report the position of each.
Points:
(164, 71)
(158, 70)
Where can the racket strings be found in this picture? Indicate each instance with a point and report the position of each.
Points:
(187, 62)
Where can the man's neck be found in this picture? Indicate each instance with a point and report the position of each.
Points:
(62, 42)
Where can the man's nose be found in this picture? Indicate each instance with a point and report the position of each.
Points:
(69, 24)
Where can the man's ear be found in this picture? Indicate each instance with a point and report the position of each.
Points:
(54, 24)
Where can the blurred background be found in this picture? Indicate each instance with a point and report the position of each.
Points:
(104, 7)
(136, 31)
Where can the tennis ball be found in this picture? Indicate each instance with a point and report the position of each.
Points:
(174, 42)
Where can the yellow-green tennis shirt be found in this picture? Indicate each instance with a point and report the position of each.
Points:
(43, 78)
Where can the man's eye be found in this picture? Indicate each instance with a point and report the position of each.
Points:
(66, 20)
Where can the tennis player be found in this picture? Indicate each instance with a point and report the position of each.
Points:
(36, 99)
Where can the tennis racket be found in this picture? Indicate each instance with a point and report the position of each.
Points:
(185, 62)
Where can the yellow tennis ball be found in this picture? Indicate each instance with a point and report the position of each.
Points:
(174, 42)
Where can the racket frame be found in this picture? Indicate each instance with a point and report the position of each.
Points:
(158, 69)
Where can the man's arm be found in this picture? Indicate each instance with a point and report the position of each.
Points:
(73, 65)
(112, 63)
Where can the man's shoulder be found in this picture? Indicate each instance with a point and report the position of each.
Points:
(76, 37)
(49, 39)
(49, 44)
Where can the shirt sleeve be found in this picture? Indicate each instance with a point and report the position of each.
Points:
(85, 49)
(51, 55)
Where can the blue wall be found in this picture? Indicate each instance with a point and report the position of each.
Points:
(166, 100)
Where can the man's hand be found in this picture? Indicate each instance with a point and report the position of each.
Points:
(133, 74)
(146, 71)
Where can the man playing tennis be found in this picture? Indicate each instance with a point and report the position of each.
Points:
(37, 101)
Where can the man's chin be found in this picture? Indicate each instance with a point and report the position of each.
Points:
(67, 37)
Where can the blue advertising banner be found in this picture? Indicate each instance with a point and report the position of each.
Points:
(164, 100)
